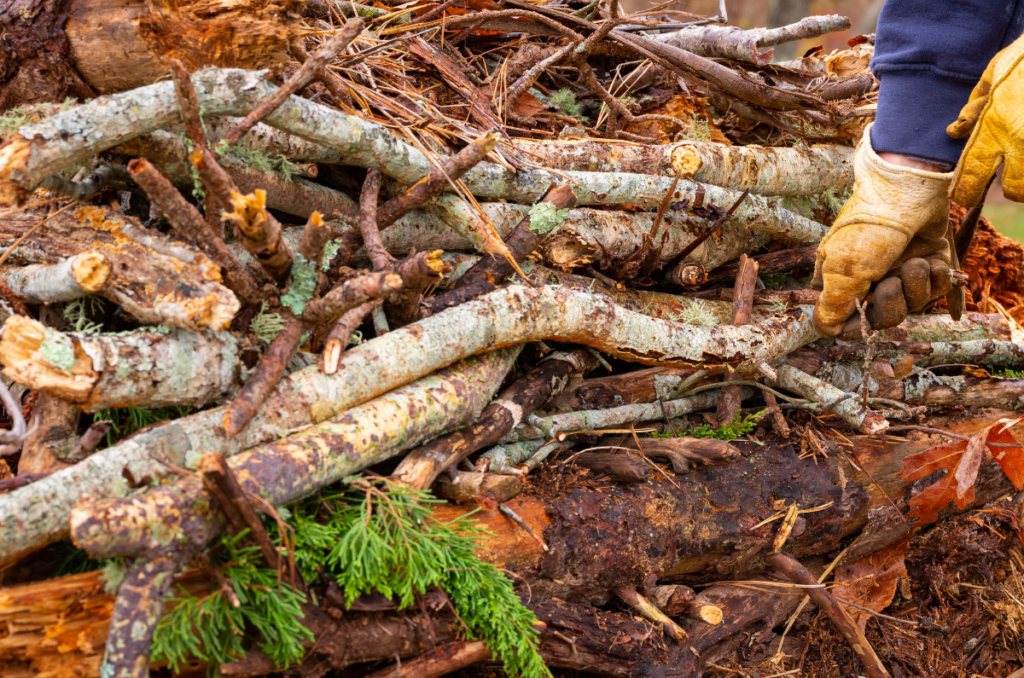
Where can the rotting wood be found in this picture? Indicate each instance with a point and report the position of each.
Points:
(53, 433)
(153, 277)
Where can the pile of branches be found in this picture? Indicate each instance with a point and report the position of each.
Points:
(321, 313)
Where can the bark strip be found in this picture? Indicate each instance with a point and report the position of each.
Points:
(742, 305)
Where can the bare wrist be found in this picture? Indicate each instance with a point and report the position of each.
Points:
(904, 161)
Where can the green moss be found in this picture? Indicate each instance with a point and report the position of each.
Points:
(565, 101)
(740, 426)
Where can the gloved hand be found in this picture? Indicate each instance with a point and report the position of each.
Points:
(892, 229)
(994, 117)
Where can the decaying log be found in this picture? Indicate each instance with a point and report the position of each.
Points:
(52, 144)
(714, 511)
(87, 47)
(422, 465)
(153, 277)
(140, 369)
(299, 464)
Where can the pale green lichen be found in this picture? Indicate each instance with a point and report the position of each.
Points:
(113, 574)
(266, 326)
(330, 251)
(301, 284)
(545, 217)
(58, 350)
(698, 313)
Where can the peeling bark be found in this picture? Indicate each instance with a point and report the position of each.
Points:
(54, 438)
(154, 278)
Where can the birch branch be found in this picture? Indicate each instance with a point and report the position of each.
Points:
(63, 139)
(137, 369)
(762, 170)
(729, 42)
(300, 464)
(73, 278)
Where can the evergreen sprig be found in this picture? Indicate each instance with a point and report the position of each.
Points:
(372, 540)
(213, 630)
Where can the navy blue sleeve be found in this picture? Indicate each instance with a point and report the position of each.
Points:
(929, 54)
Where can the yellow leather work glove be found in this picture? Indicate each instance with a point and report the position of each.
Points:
(994, 118)
(893, 227)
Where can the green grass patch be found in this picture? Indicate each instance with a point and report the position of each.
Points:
(740, 426)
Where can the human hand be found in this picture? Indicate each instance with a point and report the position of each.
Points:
(893, 230)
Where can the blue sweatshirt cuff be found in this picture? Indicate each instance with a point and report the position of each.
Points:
(914, 108)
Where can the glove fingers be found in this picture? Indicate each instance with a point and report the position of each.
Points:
(961, 129)
(1013, 174)
(890, 306)
(979, 162)
(917, 284)
(941, 280)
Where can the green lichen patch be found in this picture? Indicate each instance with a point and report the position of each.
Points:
(545, 217)
(301, 283)
(58, 350)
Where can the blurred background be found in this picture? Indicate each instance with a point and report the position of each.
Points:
(1006, 216)
(771, 13)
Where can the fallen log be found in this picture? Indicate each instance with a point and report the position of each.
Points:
(715, 509)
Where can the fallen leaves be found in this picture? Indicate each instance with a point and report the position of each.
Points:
(871, 581)
(961, 459)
